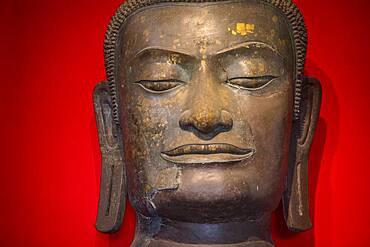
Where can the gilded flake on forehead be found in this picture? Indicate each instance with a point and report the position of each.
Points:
(242, 29)
(177, 42)
(142, 18)
(275, 18)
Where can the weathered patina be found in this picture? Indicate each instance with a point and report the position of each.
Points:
(205, 121)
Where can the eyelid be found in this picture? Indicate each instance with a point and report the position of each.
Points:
(268, 78)
(161, 80)
(142, 82)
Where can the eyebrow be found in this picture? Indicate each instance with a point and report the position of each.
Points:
(246, 44)
(192, 56)
(161, 49)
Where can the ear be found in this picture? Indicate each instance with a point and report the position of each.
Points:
(295, 198)
(112, 182)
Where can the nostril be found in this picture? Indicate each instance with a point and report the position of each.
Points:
(226, 120)
(185, 120)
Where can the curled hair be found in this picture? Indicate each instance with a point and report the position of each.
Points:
(289, 9)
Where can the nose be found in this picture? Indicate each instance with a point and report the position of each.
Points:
(206, 123)
(206, 116)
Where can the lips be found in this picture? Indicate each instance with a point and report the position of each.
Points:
(207, 153)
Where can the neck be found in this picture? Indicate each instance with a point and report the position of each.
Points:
(157, 232)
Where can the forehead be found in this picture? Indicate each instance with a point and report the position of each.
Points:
(205, 28)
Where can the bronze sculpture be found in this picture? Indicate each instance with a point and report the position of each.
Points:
(206, 121)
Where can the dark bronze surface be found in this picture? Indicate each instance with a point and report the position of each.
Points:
(198, 121)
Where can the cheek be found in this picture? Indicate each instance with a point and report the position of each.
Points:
(270, 116)
(270, 120)
(150, 121)
(145, 123)
(271, 126)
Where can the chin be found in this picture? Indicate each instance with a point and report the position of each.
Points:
(218, 195)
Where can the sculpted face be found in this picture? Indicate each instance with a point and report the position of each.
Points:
(206, 101)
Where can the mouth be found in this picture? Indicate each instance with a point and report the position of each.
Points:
(207, 153)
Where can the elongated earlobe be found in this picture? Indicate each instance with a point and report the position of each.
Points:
(295, 198)
(112, 184)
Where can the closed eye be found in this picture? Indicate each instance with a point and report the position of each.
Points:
(250, 83)
(159, 86)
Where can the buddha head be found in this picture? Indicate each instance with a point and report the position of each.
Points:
(205, 120)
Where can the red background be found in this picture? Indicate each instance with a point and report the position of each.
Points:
(51, 58)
